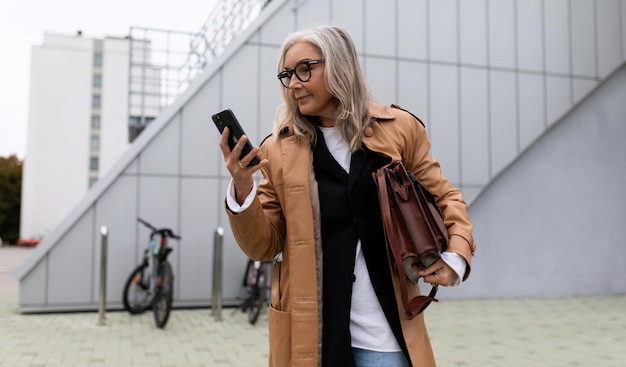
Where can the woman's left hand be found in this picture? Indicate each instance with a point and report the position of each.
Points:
(439, 273)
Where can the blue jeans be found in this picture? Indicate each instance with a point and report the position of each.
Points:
(369, 358)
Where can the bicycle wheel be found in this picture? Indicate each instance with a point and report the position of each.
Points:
(257, 296)
(136, 296)
(162, 304)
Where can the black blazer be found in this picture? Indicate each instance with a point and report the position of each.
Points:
(350, 211)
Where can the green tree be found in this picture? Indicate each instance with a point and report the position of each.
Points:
(10, 197)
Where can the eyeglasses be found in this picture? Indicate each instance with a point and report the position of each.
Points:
(302, 71)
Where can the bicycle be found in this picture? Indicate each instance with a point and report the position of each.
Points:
(151, 284)
(253, 290)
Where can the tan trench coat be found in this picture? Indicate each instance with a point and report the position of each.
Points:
(284, 217)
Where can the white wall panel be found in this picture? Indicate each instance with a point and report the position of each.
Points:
(582, 87)
(444, 118)
(132, 168)
(199, 205)
(471, 193)
(412, 88)
(557, 37)
(269, 91)
(504, 139)
(529, 35)
(202, 213)
(474, 117)
(502, 34)
(623, 26)
(583, 37)
(162, 155)
(71, 265)
(609, 41)
(380, 30)
(255, 37)
(412, 30)
(381, 77)
(240, 88)
(443, 31)
(558, 97)
(532, 109)
(158, 204)
(199, 147)
(123, 253)
(473, 32)
(281, 24)
(313, 13)
(350, 15)
(33, 288)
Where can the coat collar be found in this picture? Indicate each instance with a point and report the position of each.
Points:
(380, 112)
(375, 110)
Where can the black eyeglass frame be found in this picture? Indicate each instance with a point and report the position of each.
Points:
(285, 76)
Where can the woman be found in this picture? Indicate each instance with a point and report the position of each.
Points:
(334, 292)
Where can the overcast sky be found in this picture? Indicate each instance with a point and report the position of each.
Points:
(24, 22)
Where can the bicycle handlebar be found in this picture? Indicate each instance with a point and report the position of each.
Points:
(163, 231)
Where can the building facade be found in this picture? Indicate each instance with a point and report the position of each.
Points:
(81, 119)
(492, 80)
(77, 128)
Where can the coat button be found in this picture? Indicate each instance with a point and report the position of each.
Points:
(369, 132)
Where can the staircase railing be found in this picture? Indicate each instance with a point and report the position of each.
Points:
(163, 63)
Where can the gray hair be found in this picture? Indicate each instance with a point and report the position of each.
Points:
(343, 78)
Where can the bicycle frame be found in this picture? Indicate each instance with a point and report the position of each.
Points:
(153, 267)
(154, 258)
(151, 283)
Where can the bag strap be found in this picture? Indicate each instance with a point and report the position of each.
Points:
(417, 304)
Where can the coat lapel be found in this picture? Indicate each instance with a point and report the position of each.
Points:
(325, 161)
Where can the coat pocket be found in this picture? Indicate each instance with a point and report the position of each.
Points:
(279, 325)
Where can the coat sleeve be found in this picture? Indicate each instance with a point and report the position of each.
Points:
(260, 229)
(416, 156)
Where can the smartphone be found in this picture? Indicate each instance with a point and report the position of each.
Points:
(227, 118)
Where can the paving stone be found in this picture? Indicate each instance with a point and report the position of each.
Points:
(546, 332)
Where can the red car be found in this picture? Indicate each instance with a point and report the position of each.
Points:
(28, 242)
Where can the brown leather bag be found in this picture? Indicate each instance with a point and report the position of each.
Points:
(416, 234)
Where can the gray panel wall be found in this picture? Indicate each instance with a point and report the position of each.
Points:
(552, 224)
(487, 77)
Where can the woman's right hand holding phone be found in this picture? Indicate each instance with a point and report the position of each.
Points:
(243, 179)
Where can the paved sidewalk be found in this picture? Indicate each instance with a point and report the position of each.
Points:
(10, 258)
(551, 332)
(548, 332)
